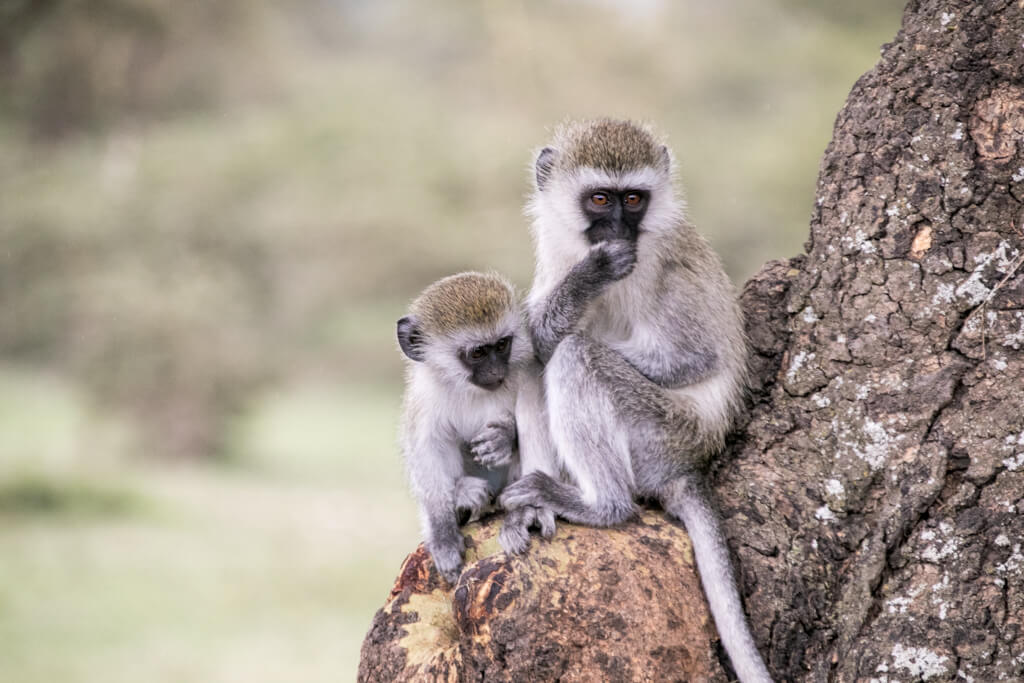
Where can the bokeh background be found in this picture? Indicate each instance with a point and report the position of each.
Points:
(212, 213)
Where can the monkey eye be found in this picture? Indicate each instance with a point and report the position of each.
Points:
(478, 353)
(503, 344)
(634, 199)
(599, 199)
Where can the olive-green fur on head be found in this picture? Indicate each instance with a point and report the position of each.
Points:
(609, 145)
(463, 301)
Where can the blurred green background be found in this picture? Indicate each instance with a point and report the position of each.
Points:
(212, 213)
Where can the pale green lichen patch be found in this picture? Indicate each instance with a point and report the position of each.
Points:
(485, 541)
(435, 630)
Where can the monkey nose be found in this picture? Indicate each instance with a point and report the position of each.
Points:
(492, 380)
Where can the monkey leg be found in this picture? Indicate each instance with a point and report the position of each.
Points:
(536, 454)
(445, 543)
(536, 448)
(593, 434)
(439, 517)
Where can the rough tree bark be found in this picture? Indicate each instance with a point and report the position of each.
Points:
(875, 499)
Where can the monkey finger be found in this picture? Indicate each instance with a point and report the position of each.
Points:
(495, 439)
(515, 533)
(491, 440)
(493, 460)
(514, 540)
(492, 454)
(495, 430)
(482, 447)
(467, 509)
(622, 257)
(546, 521)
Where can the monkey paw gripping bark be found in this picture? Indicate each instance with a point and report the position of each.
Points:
(590, 604)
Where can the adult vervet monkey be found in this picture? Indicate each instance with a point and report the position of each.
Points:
(642, 340)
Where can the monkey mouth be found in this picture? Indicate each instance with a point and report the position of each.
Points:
(492, 385)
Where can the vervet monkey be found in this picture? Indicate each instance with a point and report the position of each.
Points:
(645, 356)
(466, 340)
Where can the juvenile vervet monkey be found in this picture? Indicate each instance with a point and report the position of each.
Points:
(466, 340)
(645, 356)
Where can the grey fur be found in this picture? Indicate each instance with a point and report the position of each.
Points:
(605, 263)
(459, 440)
(645, 368)
(535, 455)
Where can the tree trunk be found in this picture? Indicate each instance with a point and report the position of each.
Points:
(874, 500)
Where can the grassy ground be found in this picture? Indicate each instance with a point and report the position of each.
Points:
(265, 569)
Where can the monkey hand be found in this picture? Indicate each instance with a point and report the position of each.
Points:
(495, 445)
(515, 531)
(613, 260)
(471, 495)
(528, 491)
(447, 556)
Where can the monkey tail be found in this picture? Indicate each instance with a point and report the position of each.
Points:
(687, 500)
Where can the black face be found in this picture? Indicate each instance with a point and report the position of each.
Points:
(613, 214)
(488, 362)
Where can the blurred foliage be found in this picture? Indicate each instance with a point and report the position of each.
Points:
(35, 495)
(200, 198)
(212, 213)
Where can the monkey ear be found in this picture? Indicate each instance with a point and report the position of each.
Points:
(544, 165)
(410, 338)
(666, 159)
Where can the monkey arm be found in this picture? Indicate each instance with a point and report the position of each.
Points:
(536, 449)
(434, 464)
(563, 309)
(605, 263)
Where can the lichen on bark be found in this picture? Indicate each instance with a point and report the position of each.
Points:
(891, 435)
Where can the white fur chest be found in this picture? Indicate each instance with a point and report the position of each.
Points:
(472, 409)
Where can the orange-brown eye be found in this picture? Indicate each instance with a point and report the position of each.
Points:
(633, 199)
(477, 353)
(503, 344)
(599, 199)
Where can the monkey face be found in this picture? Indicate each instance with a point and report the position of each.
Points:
(613, 214)
(488, 363)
